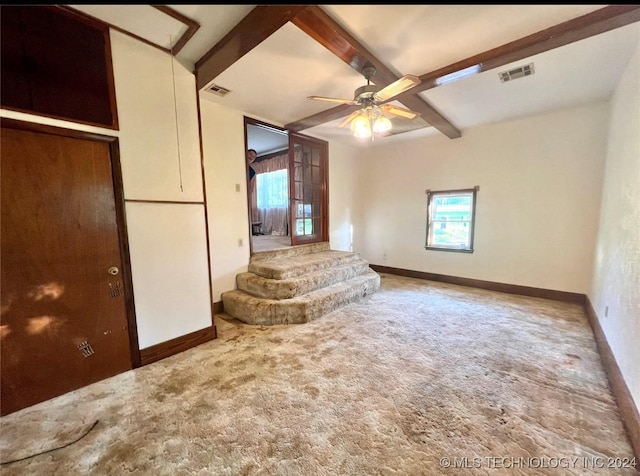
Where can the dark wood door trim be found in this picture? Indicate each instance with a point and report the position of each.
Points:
(206, 211)
(296, 137)
(247, 121)
(118, 190)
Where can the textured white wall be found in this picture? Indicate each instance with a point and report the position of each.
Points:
(616, 280)
(537, 208)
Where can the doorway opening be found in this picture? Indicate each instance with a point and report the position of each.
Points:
(268, 186)
(287, 184)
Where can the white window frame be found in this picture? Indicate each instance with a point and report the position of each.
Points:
(431, 225)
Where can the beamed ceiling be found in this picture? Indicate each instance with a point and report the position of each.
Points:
(257, 41)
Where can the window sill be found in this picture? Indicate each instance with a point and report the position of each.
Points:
(455, 250)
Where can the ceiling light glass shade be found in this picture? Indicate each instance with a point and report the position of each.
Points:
(360, 126)
(382, 124)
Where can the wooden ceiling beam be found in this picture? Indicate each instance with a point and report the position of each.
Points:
(257, 26)
(580, 28)
(321, 117)
(264, 20)
(321, 27)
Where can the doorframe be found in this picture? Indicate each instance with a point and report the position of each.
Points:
(121, 223)
(255, 122)
(324, 193)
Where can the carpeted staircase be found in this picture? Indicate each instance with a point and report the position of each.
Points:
(295, 285)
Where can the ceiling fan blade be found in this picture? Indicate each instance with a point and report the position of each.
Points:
(350, 118)
(399, 111)
(341, 101)
(406, 82)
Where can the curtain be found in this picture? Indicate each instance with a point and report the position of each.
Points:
(270, 195)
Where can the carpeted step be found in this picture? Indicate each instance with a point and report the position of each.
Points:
(302, 264)
(260, 311)
(287, 288)
(289, 252)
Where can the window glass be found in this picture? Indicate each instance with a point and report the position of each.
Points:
(272, 189)
(450, 220)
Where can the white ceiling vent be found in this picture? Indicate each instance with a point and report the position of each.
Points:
(219, 90)
(520, 72)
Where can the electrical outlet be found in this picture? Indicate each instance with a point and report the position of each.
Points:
(240, 242)
(384, 257)
(237, 187)
(606, 311)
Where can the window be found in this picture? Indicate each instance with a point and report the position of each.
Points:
(273, 189)
(450, 220)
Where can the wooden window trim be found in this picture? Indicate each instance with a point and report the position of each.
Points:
(430, 195)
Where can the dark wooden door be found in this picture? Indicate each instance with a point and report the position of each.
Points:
(308, 190)
(63, 320)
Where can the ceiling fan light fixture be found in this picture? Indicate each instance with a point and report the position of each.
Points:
(361, 127)
(370, 121)
(382, 124)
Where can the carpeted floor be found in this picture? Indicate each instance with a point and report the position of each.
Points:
(409, 381)
(270, 242)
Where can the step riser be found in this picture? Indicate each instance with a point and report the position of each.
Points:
(266, 270)
(268, 312)
(285, 289)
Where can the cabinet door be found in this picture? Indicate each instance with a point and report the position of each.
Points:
(58, 65)
(15, 90)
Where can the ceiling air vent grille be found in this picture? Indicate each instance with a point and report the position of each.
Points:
(516, 73)
(219, 90)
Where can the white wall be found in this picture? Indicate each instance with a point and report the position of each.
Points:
(160, 157)
(224, 166)
(343, 170)
(616, 279)
(152, 125)
(537, 208)
(172, 294)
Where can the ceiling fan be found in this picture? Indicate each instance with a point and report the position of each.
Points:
(370, 118)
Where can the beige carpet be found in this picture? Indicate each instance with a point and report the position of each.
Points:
(392, 385)
(270, 242)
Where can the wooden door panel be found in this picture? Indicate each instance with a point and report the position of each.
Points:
(308, 189)
(50, 54)
(63, 316)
